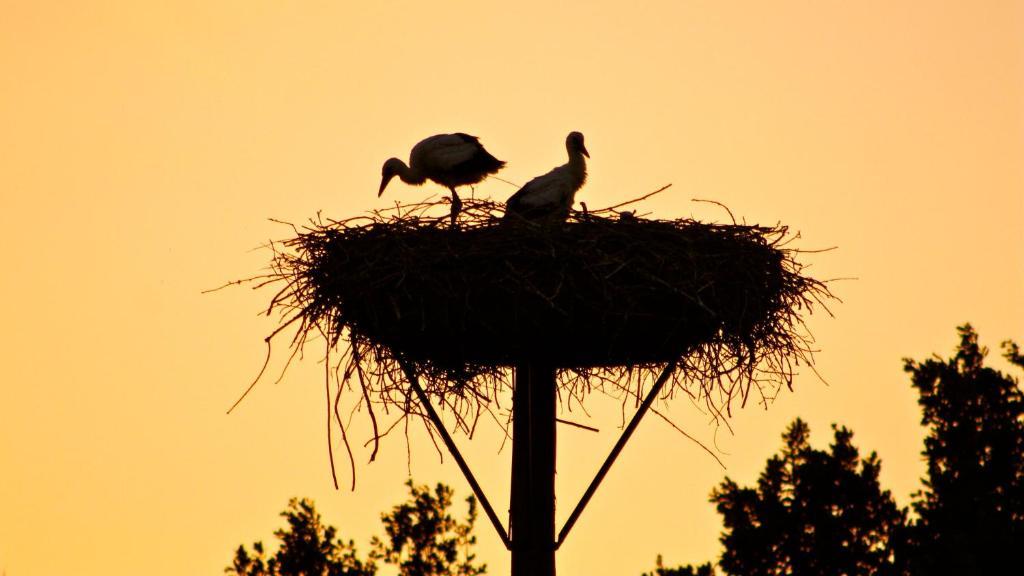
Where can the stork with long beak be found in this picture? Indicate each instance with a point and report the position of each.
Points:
(449, 159)
(549, 197)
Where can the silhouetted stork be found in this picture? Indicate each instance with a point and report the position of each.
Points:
(549, 197)
(449, 159)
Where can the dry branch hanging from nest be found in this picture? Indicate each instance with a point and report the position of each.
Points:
(607, 297)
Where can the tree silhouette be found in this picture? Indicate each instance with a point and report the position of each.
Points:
(308, 548)
(816, 512)
(971, 511)
(660, 570)
(424, 540)
(813, 512)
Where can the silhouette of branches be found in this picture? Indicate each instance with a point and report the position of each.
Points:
(609, 298)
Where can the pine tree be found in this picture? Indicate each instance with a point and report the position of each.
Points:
(971, 511)
(813, 512)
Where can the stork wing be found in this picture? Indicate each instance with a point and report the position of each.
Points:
(542, 190)
(445, 151)
(542, 198)
(516, 202)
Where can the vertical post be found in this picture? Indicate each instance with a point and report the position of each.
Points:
(532, 521)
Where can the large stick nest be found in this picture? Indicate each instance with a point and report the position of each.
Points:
(608, 297)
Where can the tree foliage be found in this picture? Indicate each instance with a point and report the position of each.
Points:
(307, 548)
(812, 512)
(423, 539)
(971, 510)
(817, 512)
(660, 570)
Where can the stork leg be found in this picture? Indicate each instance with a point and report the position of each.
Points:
(456, 205)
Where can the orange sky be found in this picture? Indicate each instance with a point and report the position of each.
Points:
(143, 148)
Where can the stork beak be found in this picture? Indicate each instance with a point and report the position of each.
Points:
(583, 148)
(384, 184)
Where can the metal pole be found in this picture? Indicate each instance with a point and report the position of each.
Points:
(665, 374)
(532, 522)
(410, 374)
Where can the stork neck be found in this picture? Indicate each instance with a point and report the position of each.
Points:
(577, 158)
(578, 165)
(409, 175)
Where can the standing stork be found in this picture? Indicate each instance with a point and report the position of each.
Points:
(449, 159)
(549, 197)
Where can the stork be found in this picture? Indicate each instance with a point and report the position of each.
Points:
(449, 159)
(549, 197)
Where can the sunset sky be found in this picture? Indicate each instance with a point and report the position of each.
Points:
(144, 146)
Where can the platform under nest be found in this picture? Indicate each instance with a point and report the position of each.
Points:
(608, 297)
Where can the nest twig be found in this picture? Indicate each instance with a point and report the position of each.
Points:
(608, 297)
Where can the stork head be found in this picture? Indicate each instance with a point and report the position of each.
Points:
(391, 168)
(574, 143)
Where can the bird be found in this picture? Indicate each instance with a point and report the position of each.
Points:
(549, 197)
(449, 159)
